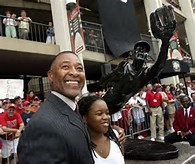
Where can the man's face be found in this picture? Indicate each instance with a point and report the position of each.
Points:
(23, 14)
(185, 102)
(67, 75)
(5, 106)
(193, 97)
(11, 111)
(18, 102)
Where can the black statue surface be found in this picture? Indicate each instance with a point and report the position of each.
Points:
(136, 149)
(128, 78)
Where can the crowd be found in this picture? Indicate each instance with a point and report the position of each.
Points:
(19, 27)
(14, 116)
(155, 106)
(163, 104)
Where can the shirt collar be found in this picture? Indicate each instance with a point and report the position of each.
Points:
(69, 102)
(188, 110)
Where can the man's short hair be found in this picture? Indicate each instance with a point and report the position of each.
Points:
(59, 54)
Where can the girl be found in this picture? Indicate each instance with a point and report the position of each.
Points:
(105, 145)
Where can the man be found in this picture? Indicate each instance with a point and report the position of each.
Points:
(35, 105)
(24, 25)
(193, 99)
(27, 114)
(154, 103)
(184, 124)
(56, 133)
(18, 103)
(5, 104)
(12, 124)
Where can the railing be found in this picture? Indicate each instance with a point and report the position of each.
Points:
(175, 3)
(93, 36)
(40, 1)
(128, 123)
(37, 32)
(44, 1)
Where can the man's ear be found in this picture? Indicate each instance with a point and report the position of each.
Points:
(85, 119)
(50, 75)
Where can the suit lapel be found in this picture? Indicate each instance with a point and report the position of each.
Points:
(64, 109)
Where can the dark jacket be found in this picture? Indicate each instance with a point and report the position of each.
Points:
(55, 135)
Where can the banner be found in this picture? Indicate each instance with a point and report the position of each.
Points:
(10, 88)
(76, 30)
(119, 25)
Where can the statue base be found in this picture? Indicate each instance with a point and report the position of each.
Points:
(136, 149)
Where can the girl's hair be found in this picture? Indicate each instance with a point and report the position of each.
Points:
(85, 104)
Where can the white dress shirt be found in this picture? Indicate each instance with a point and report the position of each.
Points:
(69, 102)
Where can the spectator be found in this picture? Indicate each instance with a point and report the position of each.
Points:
(170, 107)
(24, 25)
(184, 124)
(50, 34)
(1, 109)
(96, 116)
(165, 104)
(10, 23)
(12, 124)
(5, 104)
(19, 105)
(93, 40)
(137, 111)
(35, 105)
(154, 102)
(30, 96)
(117, 119)
(27, 114)
(193, 99)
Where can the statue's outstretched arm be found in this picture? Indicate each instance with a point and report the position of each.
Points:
(163, 24)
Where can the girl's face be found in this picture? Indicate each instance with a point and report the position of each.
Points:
(98, 118)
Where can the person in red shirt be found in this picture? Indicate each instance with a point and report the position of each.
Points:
(30, 96)
(35, 105)
(12, 124)
(154, 103)
(18, 103)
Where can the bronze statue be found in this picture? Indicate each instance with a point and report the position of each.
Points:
(128, 78)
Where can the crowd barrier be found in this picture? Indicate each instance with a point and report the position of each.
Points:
(129, 124)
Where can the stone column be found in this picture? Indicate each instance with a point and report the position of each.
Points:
(61, 25)
(186, 8)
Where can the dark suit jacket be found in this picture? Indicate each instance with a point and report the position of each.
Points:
(55, 135)
(179, 120)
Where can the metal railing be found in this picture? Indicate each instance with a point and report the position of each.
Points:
(128, 123)
(44, 1)
(37, 31)
(93, 36)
